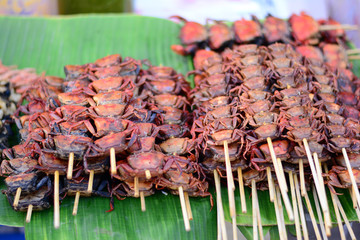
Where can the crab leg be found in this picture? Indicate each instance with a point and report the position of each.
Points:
(352, 178)
(183, 208)
(28, 214)
(17, 197)
(70, 166)
(295, 207)
(281, 179)
(112, 161)
(56, 201)
(219, 205)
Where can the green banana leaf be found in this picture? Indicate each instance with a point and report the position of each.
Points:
(48, 44)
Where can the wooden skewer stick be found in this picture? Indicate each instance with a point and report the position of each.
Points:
(322, 196)
(337, 27)
(337, 213)
(147, 174)
(295, 206)
(302, 177)
(76, 203)
(56, 200)
(271, 184)
(29, 212)
(142, 201)
(254, 212)
(230, 181)
(353, 181)
(354, 57)
(353, 51)
(70, 166)
(326, 211)
(281, 180)
(312, 216)
(242, 192)
(219, 205)
(112, 161)
(234, 227)
(346, 220)
(278, 218)
(136, 187)
(17, 197)
(218, 224)
(188, 206)
(91, 181)
(261, 232)
(357, 211)
(320, 217)
(183, 208)
(281, 214)
(301, 209)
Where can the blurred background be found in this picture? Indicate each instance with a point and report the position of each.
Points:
(344, 11)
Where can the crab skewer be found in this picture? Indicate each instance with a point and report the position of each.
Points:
(312, 216)
(258, 216)
(188, 206)
(302, 177)
(89, 190)
(271, 184)
(17, 197)
(254, 211)
(183, 208)
(346, 220)
(281, 213)
(282, 231)
(70, 166)
(28, 213)
(112, 161)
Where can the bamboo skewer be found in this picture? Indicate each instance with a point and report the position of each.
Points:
(295, 206)
(76, 203)
(142, 201)
(91, 181)
(218, 225)
(353, 51)
(320, 217)
(70, 166)
(278, 218)
(302, 177)
(183, 208)
(346, 220)
(322, 196)
(219, 205)
(337, 27)
(281, 214)
(312, 216)
(230, 181)
(17, 197)
(354, 57)
(147, 174)
(242, 191)
(188, 206)
(254, 211)
(261, 233)
(281, 180)
(56, 200)
(112, 161)
(301, 209)
(29, 213)
(326, 211)
(136, 187)
(353, 181)
(271, 184)
(234, 227)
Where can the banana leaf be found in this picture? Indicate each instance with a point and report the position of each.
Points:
(48, 44)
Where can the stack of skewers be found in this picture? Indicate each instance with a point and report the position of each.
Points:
(113, 128)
